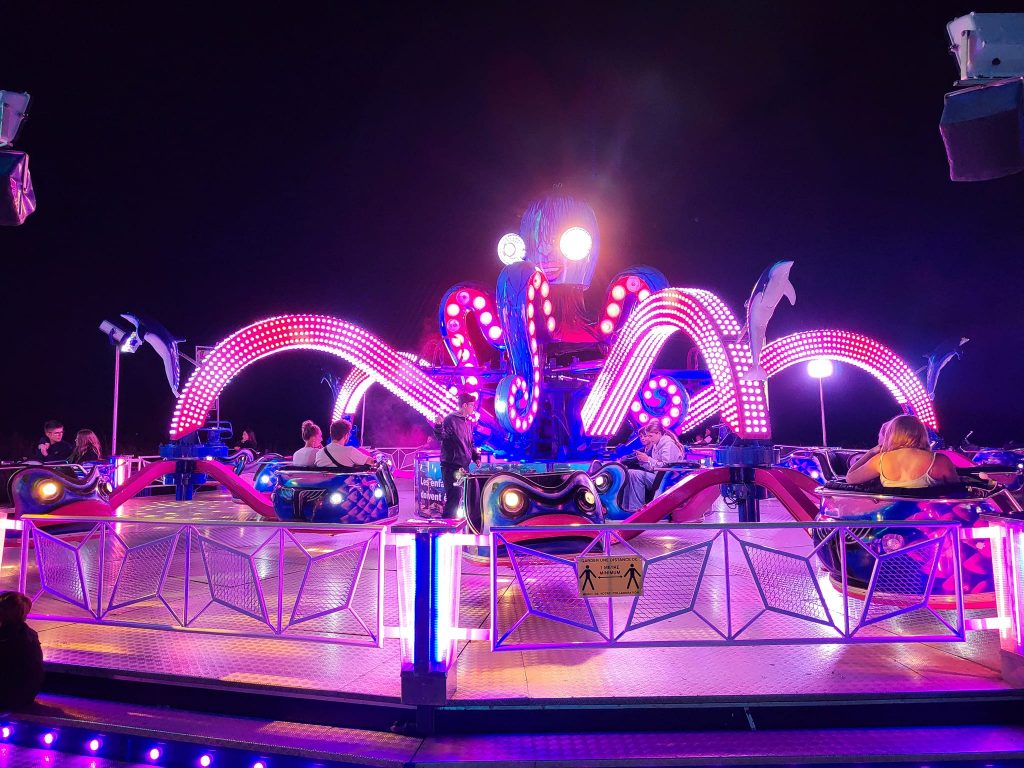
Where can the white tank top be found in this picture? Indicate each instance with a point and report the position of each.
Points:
(921, 481)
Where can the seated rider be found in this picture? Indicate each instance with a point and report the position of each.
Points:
(87, 447)
(664, 449)
(248, 440)
(52, 447)
(337, 454)
(902, 458)
(313, 441)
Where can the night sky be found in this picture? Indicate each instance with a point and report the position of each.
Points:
(213, 167)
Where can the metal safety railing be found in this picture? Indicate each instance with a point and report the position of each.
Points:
(320, 583)
(731, 584)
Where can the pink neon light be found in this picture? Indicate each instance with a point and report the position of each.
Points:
(859, 350)
(618, 292)
(703, 405)
(707, 320)
(312, 332)
(458, 303)
(356, 384)
(666, 406)
(518, 411)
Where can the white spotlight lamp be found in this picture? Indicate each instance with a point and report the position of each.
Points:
(576, 243)
(511, 248)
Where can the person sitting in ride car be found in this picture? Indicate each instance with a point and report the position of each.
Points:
(903, 459)
(87, 447)
(337, 454)
(664, 449)
(314, 441)
(52, 447)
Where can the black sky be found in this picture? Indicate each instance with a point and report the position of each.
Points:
(210, 167)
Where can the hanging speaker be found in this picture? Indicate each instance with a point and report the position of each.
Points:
(13, 110)
(983, 130)
(17, 199)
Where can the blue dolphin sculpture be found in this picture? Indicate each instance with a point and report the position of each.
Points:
(937, 360)
(160, 339)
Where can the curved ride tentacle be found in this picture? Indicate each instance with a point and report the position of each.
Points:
(526, 316)
(355, 386)
(663, 399)
(707, 320)
(859, 350)
(703, 405)
(321, 333)
(458, 303)
(625, 291)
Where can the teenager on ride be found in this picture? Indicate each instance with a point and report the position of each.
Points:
(903, 459)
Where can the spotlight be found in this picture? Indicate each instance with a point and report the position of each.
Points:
(576, 243)
(126, 341)
(205, 761)
(259, 764)
(49, 737)
(5, 732)
(335, 498)
(154, 754)
(94, 745)
(511, 248)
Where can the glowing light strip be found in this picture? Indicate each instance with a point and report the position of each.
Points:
(707, 320)
(457, 304)
(625, 291)
(661, 400)
(355, 386)
(703, 405)
(319, 333)
(516, 398)
(351, 392)
(859, 350)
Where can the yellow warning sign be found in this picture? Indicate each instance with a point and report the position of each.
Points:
(610, 576)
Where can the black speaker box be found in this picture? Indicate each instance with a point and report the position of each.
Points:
(983, 129)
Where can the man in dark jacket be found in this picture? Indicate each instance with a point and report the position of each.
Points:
(455, 433)
(52, 448)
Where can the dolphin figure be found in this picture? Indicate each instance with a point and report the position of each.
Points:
(768, 292)
(160, 339)
(937, 360)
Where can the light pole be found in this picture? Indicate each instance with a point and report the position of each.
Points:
(820, 368)
(122, 341)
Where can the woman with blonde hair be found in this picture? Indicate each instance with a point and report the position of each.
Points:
(87, 447)
(313, 441)
(903, 459)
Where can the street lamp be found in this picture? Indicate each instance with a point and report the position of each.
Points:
(820, 368)
(123, 341)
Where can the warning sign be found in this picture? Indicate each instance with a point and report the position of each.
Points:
(610, 576)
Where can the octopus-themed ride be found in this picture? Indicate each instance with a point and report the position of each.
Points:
(560, 394)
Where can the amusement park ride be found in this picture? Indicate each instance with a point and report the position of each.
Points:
(559, 399)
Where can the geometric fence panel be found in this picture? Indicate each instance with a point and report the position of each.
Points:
(321, 582)
(734, 584)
